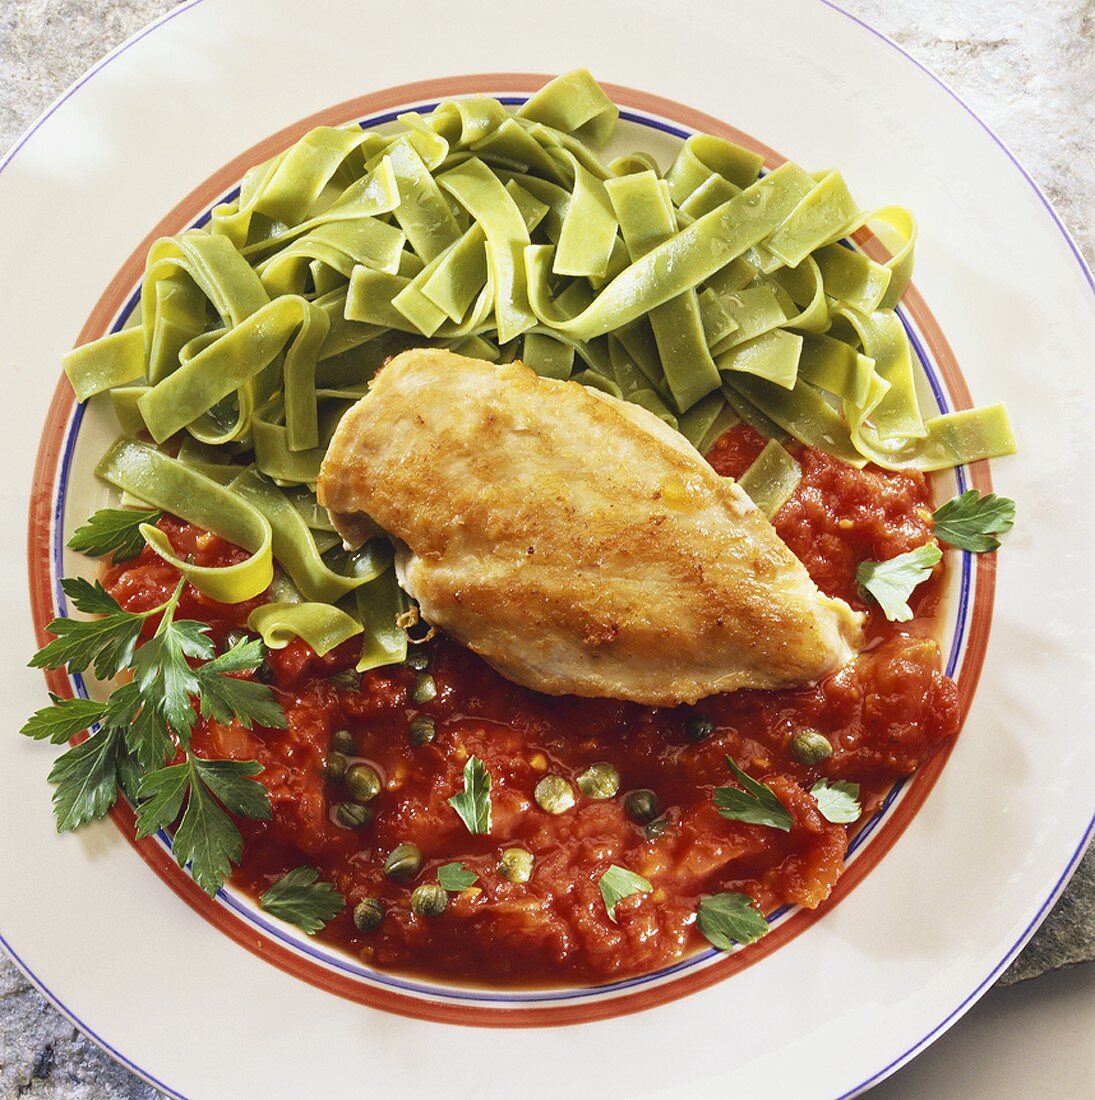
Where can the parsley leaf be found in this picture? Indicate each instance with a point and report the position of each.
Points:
(116, 529)
(473, 802)
(618, 883)
(756, 805)
(838, 802)
(456, 877)
(224, 697)
(130, 772)
(89, 597)
(87, 781)
(147, 736)
(109, 642)
(161, 795)
(62, 720)
(162, 671)
(206, 838)
(892, 582)
(726, 919)
(970, 520)
(147, 721)
(230, 781)
(298, 898)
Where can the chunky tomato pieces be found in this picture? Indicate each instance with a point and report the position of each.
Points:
(884, 715)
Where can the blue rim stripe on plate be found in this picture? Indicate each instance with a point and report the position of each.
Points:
(339, 961)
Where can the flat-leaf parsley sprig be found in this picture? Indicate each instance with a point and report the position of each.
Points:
(139, 737)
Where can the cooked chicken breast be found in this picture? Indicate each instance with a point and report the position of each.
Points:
(575, 541)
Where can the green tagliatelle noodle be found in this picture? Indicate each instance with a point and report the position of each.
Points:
(703, 290)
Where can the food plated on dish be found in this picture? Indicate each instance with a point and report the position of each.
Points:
(526, 569)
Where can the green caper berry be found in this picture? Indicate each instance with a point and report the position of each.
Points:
(405, 861)
(417, 658)
(368, 914)
(599, 781)
(353, 815)
(429, 900)
(810, 747)
(349, 679)
(335, 768)
(343, 741)
(362, 782)
(554, 794)
(656, 828)
(264, 673)
(234, 638)
(642, 806)
(424, 688)
(516, 865)
(423, 730)
(699, 727)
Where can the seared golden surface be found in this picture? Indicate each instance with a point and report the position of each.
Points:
(576, 542)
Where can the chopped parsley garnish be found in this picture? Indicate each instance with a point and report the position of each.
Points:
(113, 529)
(473, 802)
(726, 919)
(142, 739)
(837, 801)
(456, 877)
(892, 582)
(970, 520)
(618, 883)
(299, 898)
(756, 805)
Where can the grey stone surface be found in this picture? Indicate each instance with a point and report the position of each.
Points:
(1027, 69)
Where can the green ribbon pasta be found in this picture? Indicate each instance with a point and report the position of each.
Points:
(707, 294)
(322, 626)
(771, 478)
(173, 487)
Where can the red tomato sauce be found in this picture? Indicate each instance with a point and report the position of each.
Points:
(885, 714)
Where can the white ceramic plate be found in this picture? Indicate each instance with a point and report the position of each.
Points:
(159, 131)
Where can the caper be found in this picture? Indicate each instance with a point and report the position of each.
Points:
(405, 861)
(599, 781)
(810, 747)
(362, 782)
(516, 865)
(417, 658)
(368, 914)
(429, 900)
(264, 673)
(353, 815)
(699, 727)
(234, 638)
(422, 731)
(348, 679)
(642, 806)
(424, 688)
(554, 794)
(656, 828)
(343, 741)
(335, 768)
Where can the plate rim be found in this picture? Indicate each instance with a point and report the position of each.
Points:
(1087, 832)
(486, 1008)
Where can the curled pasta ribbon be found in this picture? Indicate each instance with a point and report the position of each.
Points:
(322, 626)
(168, 484)
(293, 544)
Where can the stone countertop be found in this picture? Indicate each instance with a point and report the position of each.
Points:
(1028, 71)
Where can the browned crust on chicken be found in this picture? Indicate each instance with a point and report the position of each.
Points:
(576, 542)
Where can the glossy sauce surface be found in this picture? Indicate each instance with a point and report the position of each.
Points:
(884, 714)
